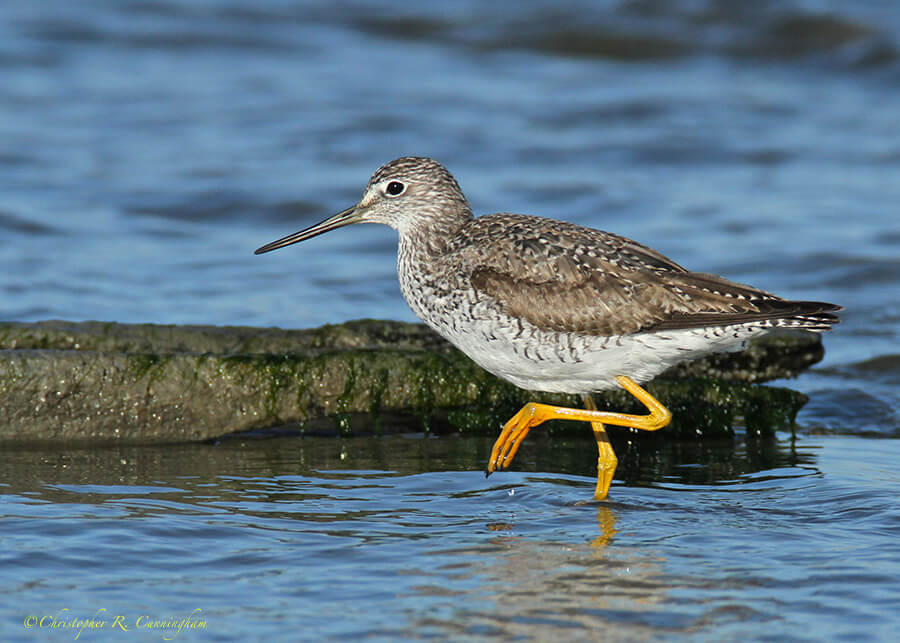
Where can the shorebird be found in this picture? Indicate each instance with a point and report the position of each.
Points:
(553, 306)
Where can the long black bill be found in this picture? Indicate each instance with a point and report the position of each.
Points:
(339, 220)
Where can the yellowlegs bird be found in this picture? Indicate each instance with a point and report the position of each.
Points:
(553, 306)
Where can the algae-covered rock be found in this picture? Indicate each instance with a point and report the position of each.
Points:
(97, 381)
(220, 340)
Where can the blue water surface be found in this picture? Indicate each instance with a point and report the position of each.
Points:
(299, 539)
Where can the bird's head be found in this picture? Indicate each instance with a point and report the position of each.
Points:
(406, 194)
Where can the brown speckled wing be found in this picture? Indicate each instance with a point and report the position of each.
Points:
(567, 278)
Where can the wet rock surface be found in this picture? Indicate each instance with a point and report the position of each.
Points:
(98, 381)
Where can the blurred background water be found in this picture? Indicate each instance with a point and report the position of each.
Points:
(148, 147)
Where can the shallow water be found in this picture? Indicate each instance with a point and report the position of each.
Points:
(147, 148)
(403, 538)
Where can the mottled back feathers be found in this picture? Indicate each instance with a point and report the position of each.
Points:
(567, 278)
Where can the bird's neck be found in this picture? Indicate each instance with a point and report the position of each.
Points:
(432, 237)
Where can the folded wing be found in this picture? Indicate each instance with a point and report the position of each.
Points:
(568, 278)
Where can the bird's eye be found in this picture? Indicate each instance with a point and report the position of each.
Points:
(395, 188)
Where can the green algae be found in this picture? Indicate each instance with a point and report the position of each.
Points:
(268, 375)
(151, 366)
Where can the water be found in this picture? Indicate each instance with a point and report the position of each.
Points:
(146, 148)
(316, 538)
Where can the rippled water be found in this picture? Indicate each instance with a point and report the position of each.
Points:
(146, 148)
(394, 538)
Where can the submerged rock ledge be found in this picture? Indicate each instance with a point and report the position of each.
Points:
(96, 381)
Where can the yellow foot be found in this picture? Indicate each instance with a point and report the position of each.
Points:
(514, 432)
(532, 414)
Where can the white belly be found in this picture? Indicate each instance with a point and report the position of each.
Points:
(570, 363)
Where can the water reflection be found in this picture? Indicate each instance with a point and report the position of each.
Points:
(540, 589)
(233, 464)
(606, 523)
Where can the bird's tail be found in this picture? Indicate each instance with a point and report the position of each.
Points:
(815, 316)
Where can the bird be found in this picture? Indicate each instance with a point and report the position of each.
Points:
(557, 307)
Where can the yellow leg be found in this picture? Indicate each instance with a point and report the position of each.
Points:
(533, 414)
(606, 458)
